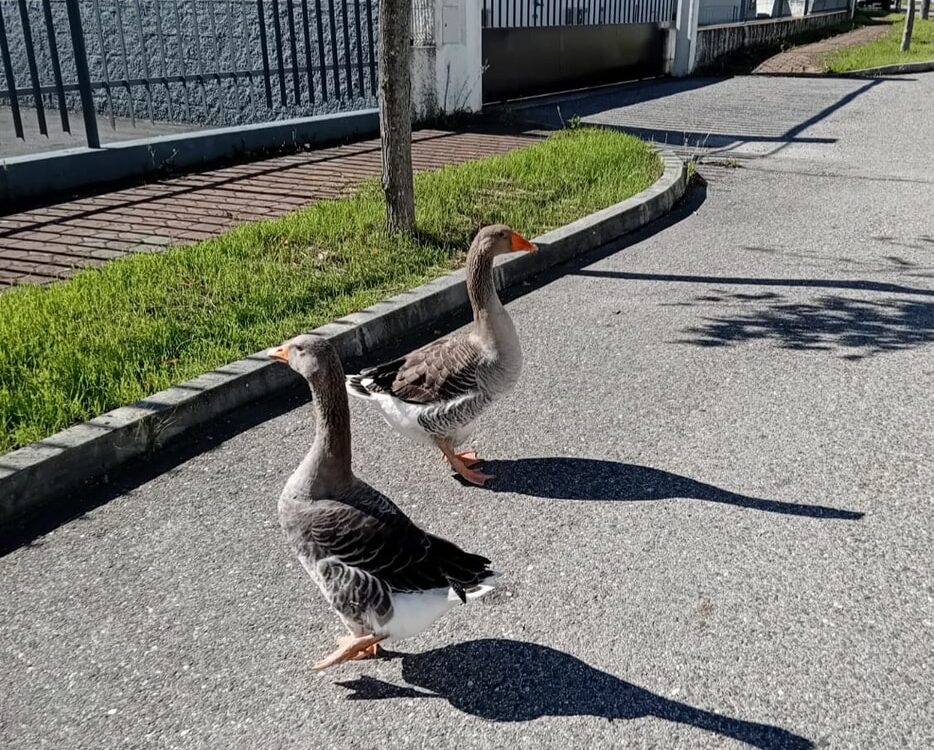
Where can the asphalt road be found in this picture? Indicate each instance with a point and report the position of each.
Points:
(712, 506)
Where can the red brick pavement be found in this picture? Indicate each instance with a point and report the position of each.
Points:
(809, 58)
(48, 244)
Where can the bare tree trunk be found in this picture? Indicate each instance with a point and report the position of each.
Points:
(925, 9)
(909, 25)
(395, 112)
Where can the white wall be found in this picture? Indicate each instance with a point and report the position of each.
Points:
(447, 77)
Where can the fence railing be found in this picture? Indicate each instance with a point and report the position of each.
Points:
(193, 61)
(511, 14)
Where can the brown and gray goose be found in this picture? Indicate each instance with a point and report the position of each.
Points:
(386, 578)
(435, 394)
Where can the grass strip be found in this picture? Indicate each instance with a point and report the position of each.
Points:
(110, 336)
(887, 49)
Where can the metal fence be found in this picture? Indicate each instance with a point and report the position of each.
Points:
(193, 61)
(511, 14)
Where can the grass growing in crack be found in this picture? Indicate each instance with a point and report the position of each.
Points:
(887, 49)
(111, 336)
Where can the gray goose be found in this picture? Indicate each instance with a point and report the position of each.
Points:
(435, 394)
(386, 578)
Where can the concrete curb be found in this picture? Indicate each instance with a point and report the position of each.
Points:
(40, 175)
(33, 478)
(924, 66)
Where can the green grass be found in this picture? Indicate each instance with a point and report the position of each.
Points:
(108, 337)
(887, 49)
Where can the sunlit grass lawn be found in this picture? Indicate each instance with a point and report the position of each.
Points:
(887, 49)
(108, 337)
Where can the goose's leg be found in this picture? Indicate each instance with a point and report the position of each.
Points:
(369, 651)
(349, 647)
(457, 463)
(469, 458)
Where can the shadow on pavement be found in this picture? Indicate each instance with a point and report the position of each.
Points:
(724, 134)
(504, 680)
(562, 478)
(859, 328)
(856, 285)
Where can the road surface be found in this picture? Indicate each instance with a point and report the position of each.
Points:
(712, 505)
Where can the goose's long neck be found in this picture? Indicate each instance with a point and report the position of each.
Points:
(488, 312)
(326, 467)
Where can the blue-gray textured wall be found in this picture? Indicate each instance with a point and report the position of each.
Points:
(174, 37)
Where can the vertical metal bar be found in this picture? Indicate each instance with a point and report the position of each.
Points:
(215, 35)
(33, 68)
(296, 83)
(371, 45)
(84, 77)
(146, 72)
(333, 40)
(248, 47)
(105, 66)
(181, 57)
(264, 47)
(163, 57)
(322, 60)
(277, 29)
(56, 64)
(197, 26)
(359, 33)
(10, 79)
(126, 64)
(345, 25)
(232, 50)
(306, 37)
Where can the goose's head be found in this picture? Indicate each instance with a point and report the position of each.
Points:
(310, 356)
(498, 239)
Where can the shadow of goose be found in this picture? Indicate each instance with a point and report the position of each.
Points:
(592, 479)
(504, 680)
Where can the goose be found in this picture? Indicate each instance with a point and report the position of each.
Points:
(385, 577)
(434, 394)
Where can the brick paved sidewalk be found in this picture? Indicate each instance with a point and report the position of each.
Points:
(809, 58)
(51, 243)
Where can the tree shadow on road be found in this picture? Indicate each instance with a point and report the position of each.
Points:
(858, 328)
(564, 478)
(505, 680)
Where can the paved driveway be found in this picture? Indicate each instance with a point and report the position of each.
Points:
(713, 502)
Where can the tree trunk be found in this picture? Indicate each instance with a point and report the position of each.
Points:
(909, 25)
(395, 112)
(925, 9)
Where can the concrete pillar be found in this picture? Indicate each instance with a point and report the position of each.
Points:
(447, 57)
(683, 38)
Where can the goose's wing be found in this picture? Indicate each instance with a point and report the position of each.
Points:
(444, 370)
(370, 534)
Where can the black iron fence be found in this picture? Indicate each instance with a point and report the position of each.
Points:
(193, 61)
(511, 14)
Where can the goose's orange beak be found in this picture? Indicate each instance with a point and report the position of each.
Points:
(521, 243)
(281, 354)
